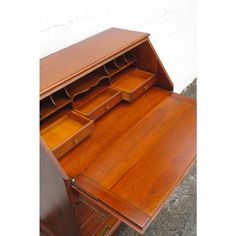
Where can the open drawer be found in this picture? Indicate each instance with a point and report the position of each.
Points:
(134, 177)
(66, 132)
(99, 103)
(133, 82)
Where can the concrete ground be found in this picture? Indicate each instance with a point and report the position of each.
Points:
(178, 216)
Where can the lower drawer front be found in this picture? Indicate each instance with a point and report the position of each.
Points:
(92, 205)
(92, 223)
(108, 227)
(83, 212)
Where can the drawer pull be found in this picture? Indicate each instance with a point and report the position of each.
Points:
(145, 88)
(100, 218)
(75, 141)
(107, 108)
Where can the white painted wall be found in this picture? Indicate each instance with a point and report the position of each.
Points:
(171, 24)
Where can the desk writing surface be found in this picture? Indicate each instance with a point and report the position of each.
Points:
(134, 166)
(109, 128)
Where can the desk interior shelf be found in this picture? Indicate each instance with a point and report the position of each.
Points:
(87, 82)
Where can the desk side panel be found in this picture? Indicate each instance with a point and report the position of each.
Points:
(149, 60)
(55, 210)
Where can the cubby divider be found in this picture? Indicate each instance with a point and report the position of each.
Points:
(87, 82)
(68, 95)
(121, 62)
(47, 107)
(61, 98)
(54, 102)
(130, 57)
(112, 68)
(121, 74)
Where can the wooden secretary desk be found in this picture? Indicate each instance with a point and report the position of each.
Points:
(115, 139)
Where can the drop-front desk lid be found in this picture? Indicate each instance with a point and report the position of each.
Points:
(133, 178)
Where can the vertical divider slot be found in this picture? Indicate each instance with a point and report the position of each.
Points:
(130, 57)
(61, 98)
(121, 62)
(68, 95)
(47, 107)
(87, 82)
(111, 67)
(52, 100)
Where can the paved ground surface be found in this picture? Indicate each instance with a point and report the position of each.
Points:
(178, 216)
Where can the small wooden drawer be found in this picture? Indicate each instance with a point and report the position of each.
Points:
(66, 132)
(92, 205)
(133, 82)
(94, 220)
(108, 227)
(100, 103)
(92, 223)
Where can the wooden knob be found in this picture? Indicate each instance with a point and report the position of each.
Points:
(75, 141)
(145, 88)
(107, 107)
(100, 218)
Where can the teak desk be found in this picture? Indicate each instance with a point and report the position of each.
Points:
(115, 139)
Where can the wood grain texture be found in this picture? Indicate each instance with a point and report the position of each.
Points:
(109, 129)
(101, 103)
(150, 61)
(124, 209)
(133, 83)
(45, 230)
(138, 152)
(60, 67)
(56, 214)
(66, 132)
(91, 224)
(82, 212)
(154, 154)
